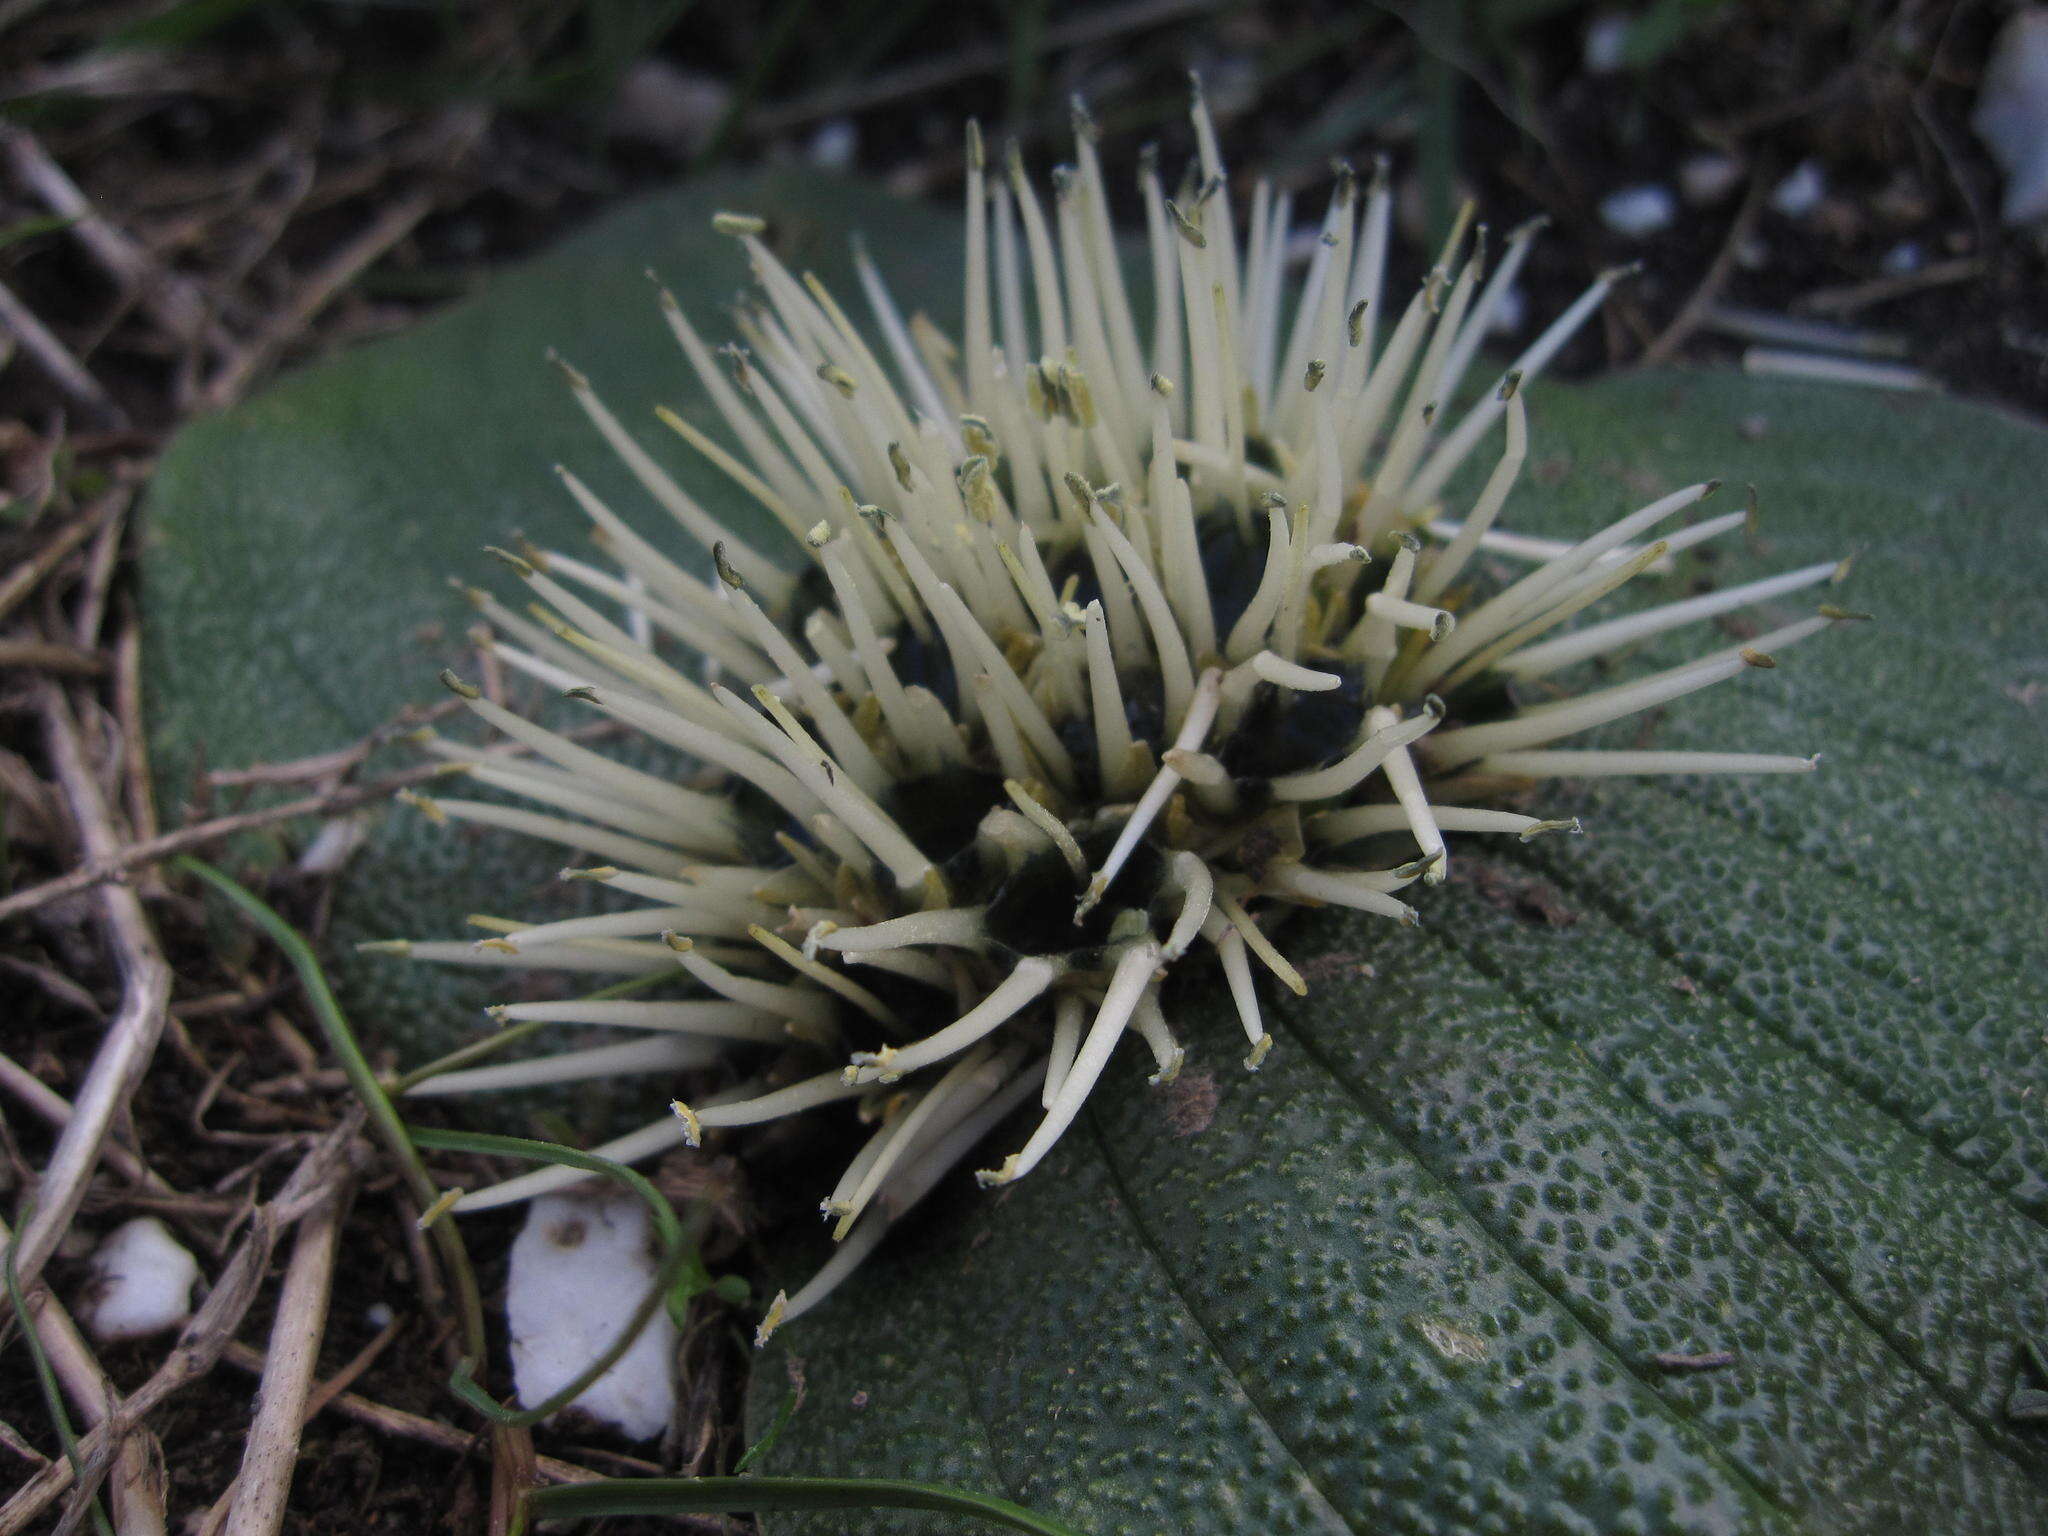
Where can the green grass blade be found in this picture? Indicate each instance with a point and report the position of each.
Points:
(341, 1039)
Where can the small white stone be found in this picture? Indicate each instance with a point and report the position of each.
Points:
(1606, 43)
(834, 145)
(1800, 193)
(1636, 213)
(1512, 313)
(378, 1316)
(1706, 178)
(1903, 259)
(580, 1265)
(673, 108)
(2012, 114)
(141, 1282)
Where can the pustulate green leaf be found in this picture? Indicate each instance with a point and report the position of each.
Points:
(1753, 1068)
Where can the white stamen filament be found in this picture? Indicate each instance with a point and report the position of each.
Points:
(911, 1186)
(1237, 975)
(799, 1003)
(954, 927)
(1459, 746)
(553, 829)
(722, 1019)
(1356, 889)
(1127, 985)
(1026, 981)
(1069, 1012)
(1201, 714)
(827, 978)
(1325, 783)
(1369, 820)
(634, 1147)
(1597, 639)
(1167, 1053)
(1413, 800)
(1197, 885)
(1598, 765)
(629, 1058)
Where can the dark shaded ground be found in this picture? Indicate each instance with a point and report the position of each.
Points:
(260, 183)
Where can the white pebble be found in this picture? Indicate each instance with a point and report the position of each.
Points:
(834, 145)
(2012, 114)
(141, 1282)
(673, 108)
(1635, 213)
(1512, 313)
(1800, 193)
(378, 1316)
(1606, 43)
(1903, 259)
(580, 1265)
(1705, 179)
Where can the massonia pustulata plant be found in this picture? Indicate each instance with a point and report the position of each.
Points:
(1095, 643)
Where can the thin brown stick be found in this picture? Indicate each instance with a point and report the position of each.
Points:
(300, 770)
(51, 656)
(1693, 311)
(172, 300)
(118, 860)
(11, 1441)
(923, 75)
(345, 797)
(42, 344)
(411, 1426)
(347, 1376)
(139, 782)
(1853, 298)
(50, 1105)
(211, 1330)
(264, 1484)
(53, 982)
(318, 291)
(98, 583)
(130, 1041)
(28, 575)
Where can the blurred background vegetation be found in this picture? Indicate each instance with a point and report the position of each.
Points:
(270, 176)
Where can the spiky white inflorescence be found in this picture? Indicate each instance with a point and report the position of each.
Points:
(1102, 654)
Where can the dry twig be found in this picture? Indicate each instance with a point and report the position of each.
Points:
(1679, 331)
(118, 860)
(174, 302)
(319, 290)
(136, 1463)
(30, 574)
(41, 343)
(209, 1333)
(130, 1040)
(411, 1426)
(256, 1502)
